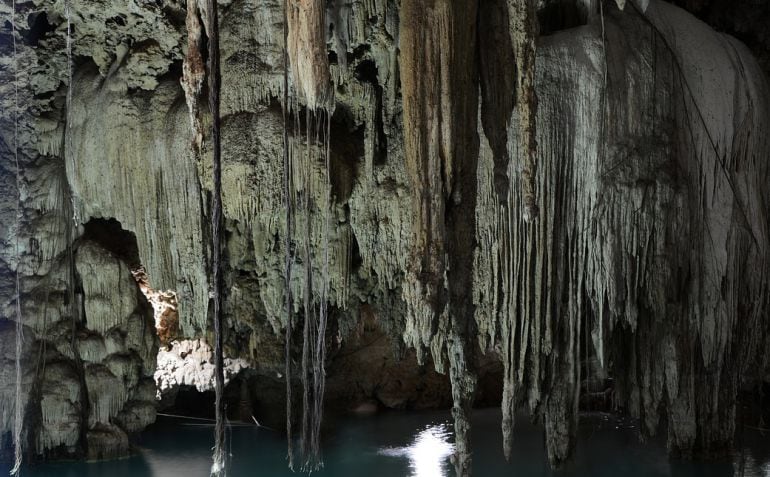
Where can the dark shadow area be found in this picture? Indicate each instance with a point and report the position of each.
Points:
(367, 72)
(557, 15)
(109, 233)
(38, 28)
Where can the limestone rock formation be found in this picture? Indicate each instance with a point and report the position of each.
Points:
(649, 254)
(87, 363)
(190, 363)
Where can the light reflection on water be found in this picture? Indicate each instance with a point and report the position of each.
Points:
(414, 445)
(428, 454)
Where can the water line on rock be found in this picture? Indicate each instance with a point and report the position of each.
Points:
(18, 419)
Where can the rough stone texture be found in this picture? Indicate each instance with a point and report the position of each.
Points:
(86, 376)
(306, 49)
(650, 254)
(191, 363)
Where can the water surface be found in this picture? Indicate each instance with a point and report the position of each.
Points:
(410, 444)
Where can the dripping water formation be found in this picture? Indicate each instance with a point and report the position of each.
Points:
(556, 209)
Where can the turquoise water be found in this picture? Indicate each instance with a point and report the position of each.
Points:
(410, 444)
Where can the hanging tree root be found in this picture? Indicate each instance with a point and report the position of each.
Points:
(194, 75)
(305, 53)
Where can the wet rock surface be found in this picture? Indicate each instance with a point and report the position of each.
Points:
(650, 254)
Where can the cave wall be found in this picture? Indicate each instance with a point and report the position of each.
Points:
(650, 254)
(88, 359)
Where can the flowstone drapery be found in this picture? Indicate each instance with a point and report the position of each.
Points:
(650, 180)
(647, 256)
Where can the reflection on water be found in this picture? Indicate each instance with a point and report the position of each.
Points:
(429, 453)
(413, 445)
(750, 467)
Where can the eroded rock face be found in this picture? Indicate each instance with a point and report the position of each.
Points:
(649, 256)
(190, 363)
(87, 366)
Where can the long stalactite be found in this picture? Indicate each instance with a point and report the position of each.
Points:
(195, 75)
(440, 90)
(522, 16)
(288, 186)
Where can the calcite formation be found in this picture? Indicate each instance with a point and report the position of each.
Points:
(440, 100)
(648, 256)
(190, 363)
(87, 366)
(306, 49)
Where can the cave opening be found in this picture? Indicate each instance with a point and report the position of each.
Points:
(559, 15)
(110, 235)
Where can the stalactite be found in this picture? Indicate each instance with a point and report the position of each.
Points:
(74, 223)
(440, 95)
(194, 71)
(497, 75)
(18, 416)
(194, 75)
(218, 468)
(307, 50)
(523, 19)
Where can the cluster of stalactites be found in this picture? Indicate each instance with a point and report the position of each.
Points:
(637, 266)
